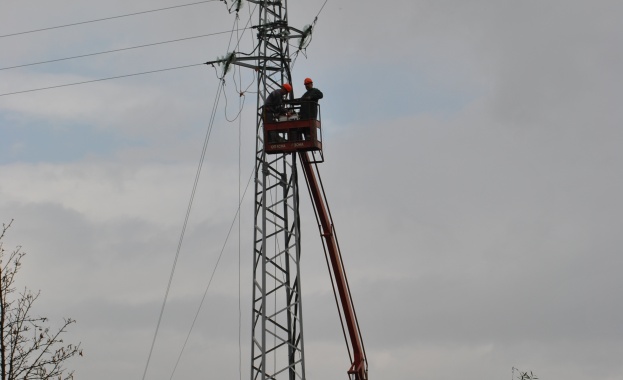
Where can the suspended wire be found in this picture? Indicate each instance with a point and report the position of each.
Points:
(239, 4)
(100, 80)
(135, 74)
(239, 109)
(251, 35)
(240, 253)
(236, 28)
(242, 96)
(241, 105)
(211, 123)
(107, 18)
(181, 239)
(238, 43)
(246, 27)
(114, 51)
(320, 11)
(236, 216)
(231, 226)
(128, 75)
(311, 36)
(213, 115)
(239, 70)
(230, 54)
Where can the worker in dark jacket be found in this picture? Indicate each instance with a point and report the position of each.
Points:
(273, 106)
(309, 101)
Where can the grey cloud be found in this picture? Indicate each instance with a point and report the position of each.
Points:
(472, 165)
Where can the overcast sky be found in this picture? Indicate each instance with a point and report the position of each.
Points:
(473, 168)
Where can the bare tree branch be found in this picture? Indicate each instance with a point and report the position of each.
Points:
(29, 350)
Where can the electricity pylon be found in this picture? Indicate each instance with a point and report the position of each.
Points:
(277, 321)
(277, 318)
(277, 324)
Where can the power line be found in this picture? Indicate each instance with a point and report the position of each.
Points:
(115, 50)
(313, 25)
(205, 293)
(236, 216)
(220, 91)
(186, 218)
(100, 80)
(107, 18)
(320, 11)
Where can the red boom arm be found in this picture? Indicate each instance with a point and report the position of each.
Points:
(359, 366)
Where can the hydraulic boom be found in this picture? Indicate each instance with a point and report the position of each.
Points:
(359, 366)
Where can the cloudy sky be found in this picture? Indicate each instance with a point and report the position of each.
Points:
(471, 165)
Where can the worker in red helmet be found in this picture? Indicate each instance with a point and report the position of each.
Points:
(273, 106)
(309, 101)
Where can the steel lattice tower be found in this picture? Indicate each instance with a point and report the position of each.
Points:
(277, 320)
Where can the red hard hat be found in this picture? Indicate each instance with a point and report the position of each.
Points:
(307, 81)
(287, 87)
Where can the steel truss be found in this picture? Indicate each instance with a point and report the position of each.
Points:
(277, 320)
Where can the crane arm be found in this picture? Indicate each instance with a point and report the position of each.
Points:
(359, 366)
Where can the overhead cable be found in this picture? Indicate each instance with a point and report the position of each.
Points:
(320, 11)
(100, 80)
(205, 293)
(114, 51)
(107, 18)
(220, 91)
(186, 218)
(237, 214)
(304, 42)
